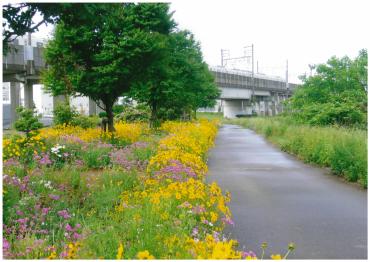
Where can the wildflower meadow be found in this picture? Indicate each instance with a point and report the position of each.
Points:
(140, 193)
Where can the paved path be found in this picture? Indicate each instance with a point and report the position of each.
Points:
(278, 199)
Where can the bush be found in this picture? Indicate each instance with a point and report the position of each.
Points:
(27, 121)
(85, 121)
(64, 114)
(139, 113)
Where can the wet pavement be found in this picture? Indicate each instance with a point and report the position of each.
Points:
(278, 199)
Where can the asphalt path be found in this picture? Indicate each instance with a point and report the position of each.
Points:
(46, 121)
(278, 199)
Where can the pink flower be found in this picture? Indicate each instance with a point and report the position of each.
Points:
(205, 221)
(54, 197)
(22, 220)
(68, 227)
(45, 210)
(195, 232)
(64, 214)
(198, 209)
(76, 235)
(6, 244)
(248, 254)
(227, 220)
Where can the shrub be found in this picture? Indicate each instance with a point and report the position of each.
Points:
(85, 121)
(27, 121)
(64, 114)
(139, 113)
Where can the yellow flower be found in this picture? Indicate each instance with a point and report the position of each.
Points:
(120, 251)
(165, 216)
(276, 257)
(178, 196)
(214, 217)
(291, 246)
(144, 255)
(53, 255)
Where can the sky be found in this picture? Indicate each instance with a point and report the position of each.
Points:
(303, 32)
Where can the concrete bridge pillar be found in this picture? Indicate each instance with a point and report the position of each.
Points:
(28, 95)
(277, 104)
(14, 100)
(57, 100)
(232, 108)
(92, 107)
(266, 107)
(261, 108)
(273, 105)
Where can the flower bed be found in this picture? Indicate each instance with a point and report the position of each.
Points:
(139, 194)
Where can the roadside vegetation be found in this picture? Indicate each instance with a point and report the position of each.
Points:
(137, 193)
(325, 121)
(341, 149)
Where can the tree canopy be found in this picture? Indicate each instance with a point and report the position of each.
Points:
(179, 83)
(107, 50)
(101, 53)
(336, 94)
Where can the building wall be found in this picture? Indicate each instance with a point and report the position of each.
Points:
(81, 103)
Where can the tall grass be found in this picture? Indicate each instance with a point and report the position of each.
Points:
(343, 150)
(210, 115)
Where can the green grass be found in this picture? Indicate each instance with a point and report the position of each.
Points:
(343, 150)
(210, 116)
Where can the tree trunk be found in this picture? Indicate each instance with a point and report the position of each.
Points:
(153, 117)
(109, 110)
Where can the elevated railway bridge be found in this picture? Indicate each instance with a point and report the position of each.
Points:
(242, 93)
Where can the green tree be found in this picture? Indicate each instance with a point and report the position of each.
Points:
(336, 94)
(178, 82)
(27, 121)
(102, 49)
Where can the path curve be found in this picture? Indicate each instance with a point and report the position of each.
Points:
(278, 199)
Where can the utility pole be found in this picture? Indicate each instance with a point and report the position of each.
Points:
(222, 57)
(253, 82)
(30, 71)
(225, 56)
(286, 76)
